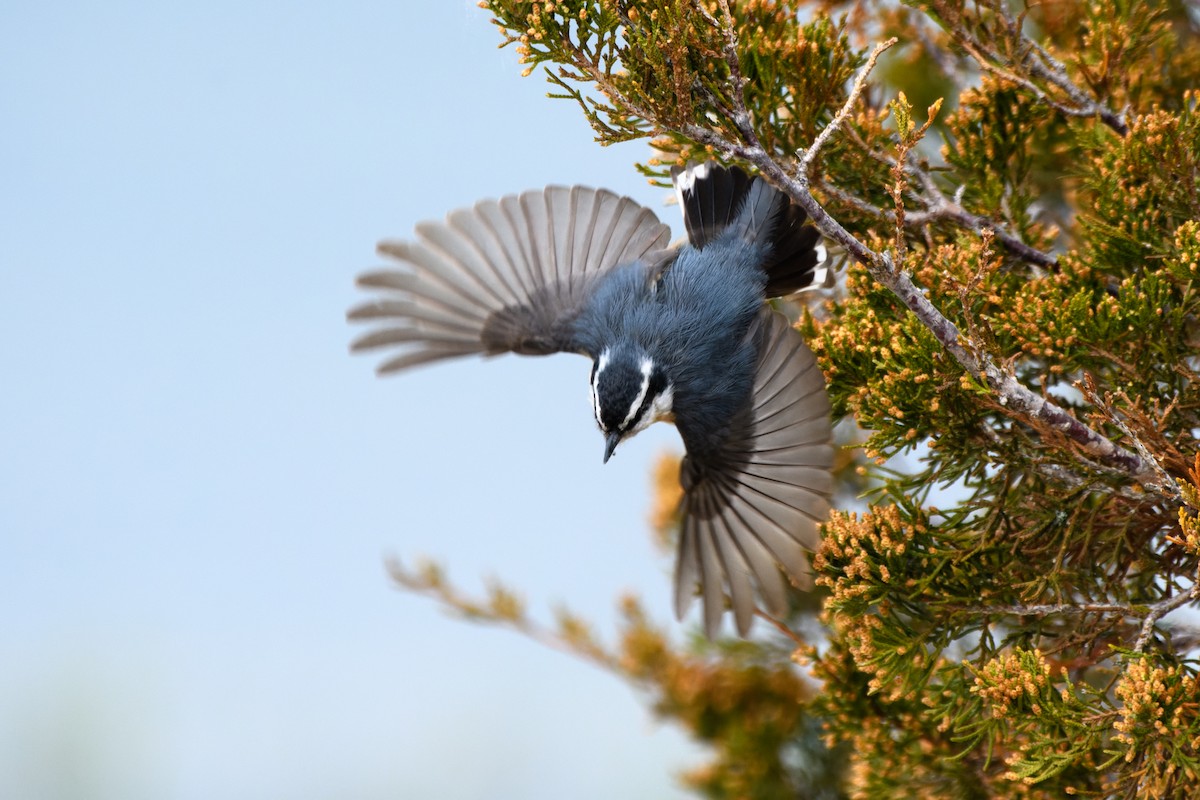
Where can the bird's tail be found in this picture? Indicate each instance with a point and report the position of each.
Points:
(716, 199)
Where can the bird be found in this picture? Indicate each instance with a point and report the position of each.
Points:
(681, 333)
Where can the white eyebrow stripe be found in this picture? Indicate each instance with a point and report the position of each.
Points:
(600, 365)
(647, 367)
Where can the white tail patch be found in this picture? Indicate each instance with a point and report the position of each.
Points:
(823, 277)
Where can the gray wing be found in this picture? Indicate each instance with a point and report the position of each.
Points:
(506, 275)
(757, 504)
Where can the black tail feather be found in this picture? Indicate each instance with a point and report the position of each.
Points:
(714, 197)
(710, 196)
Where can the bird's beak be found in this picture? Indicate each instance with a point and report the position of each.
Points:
(610, 444)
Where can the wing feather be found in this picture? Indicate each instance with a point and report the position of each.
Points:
(506, 275)
(711, 573)
(775, 526)
(762, 564)
(737, 572)
(687, 564)
(493, 228)
(414, 358)
(758, 501)
(461, 262)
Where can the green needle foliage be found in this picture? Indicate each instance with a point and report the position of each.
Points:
(1015, 343)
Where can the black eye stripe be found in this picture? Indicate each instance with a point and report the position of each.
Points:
(658, 382)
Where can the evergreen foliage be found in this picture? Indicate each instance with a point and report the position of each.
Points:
(1016, 340)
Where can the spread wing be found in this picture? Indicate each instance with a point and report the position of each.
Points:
(506, 275)
(756, 504)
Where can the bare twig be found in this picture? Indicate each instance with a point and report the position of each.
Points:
(807, 157)
(1166, 485)
(741, 115)
(784, 629)
(942, 209)
(1052, 609)
(949, 211)
(1160, 610)
(1046, 66)
(986, 65)
(1148, 614)
(1067, 477)
(938, 207)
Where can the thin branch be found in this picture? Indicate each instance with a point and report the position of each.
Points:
(1042, 97)
(741, 116)
(1035, 60)
(1052, 609)
(807, 157)
(952, 212)
(938, 208)
(1160, 610)
(1046, 66)
(942, 209)
(433, 585)
(1166, 485)
(1067, 477)
(1149, 614)
(784, 629)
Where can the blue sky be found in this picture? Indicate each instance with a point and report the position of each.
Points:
(198, 484)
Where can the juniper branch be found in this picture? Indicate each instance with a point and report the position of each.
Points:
(741, 114)
(1049, 68)
(1011, 393)
(569, 638)
(1150, 615)
(944, 209)
(1069, 478)
(940, 208)
(1033, 59)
